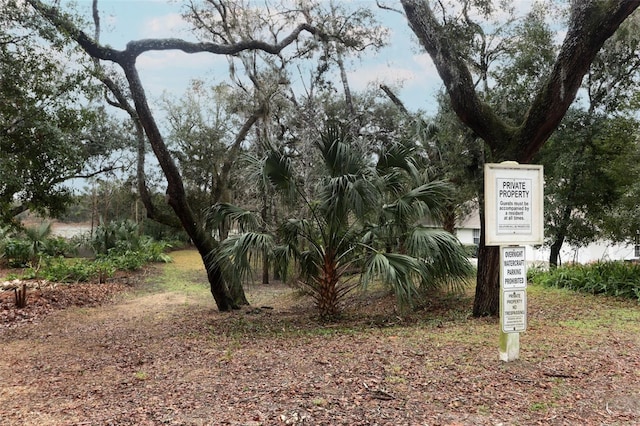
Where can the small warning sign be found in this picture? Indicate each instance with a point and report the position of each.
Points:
(514, 268)
(514, 311)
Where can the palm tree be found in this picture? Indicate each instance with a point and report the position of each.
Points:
(37, 237)
(364, 218)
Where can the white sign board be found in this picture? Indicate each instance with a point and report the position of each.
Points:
(514, 268)
(514, 311)
(514, 202)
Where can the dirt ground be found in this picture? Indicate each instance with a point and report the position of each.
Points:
(145, 353)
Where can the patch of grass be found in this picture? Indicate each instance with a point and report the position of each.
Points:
(395, 377)
(141, 375)
(185, 275)
(320, 402)
(538, 406)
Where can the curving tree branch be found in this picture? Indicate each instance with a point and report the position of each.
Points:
(591, 24)
(126, 59)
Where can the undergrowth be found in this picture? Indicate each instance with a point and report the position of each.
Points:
(613, 278)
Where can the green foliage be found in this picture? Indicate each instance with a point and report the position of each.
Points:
(17, 252)
(58, 246)
(64, 270)
(160, 232)
(118, 238)
(47, 135)
(471, 250)
(60, 269)
(122, 242)
(363, 218)
(24, 247)
(121, 235)
(590, 164)
(620, 279)
(45, 256)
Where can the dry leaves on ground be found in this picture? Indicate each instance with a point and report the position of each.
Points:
(162, 357)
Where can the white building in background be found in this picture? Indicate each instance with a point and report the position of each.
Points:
(468, 232)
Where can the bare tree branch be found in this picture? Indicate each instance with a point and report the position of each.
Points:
(397, 102)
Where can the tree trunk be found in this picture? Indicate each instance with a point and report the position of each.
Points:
(561, 233)
(487, 298)
(327, 291)
(327, 299)
(265, 268)
(555, 252)
(176, 197)
(264, 213)
(449, 221)
(237, 294)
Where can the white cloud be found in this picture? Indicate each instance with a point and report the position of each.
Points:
(381, 73)
(425, 65)
(163, 26)
(172, 70)
(175, 59)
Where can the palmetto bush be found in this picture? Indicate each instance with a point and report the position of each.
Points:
(363, 217)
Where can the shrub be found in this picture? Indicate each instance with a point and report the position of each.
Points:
(122, 236)
(59, 269)
(124, 249)
(614, 278)
(127, 261)
(58, 246)
(17, 252)
(155, 251)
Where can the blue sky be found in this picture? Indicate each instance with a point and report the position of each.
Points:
(401, 65)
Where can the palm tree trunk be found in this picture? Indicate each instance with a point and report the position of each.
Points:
(449, 220)
(327, 301)
(327, 295)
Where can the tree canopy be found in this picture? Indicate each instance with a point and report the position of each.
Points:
(50, 131)
(589, 25)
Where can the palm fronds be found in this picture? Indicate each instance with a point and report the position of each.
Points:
(398, 271)
(235, 253)
(225, 213)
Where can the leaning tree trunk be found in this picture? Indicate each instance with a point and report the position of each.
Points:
(176, 196)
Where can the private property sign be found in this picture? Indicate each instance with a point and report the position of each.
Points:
(514, 206)
(513, 203)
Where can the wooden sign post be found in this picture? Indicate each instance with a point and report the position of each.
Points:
(514, 202)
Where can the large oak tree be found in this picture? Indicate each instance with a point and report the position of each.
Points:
(590, 24)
